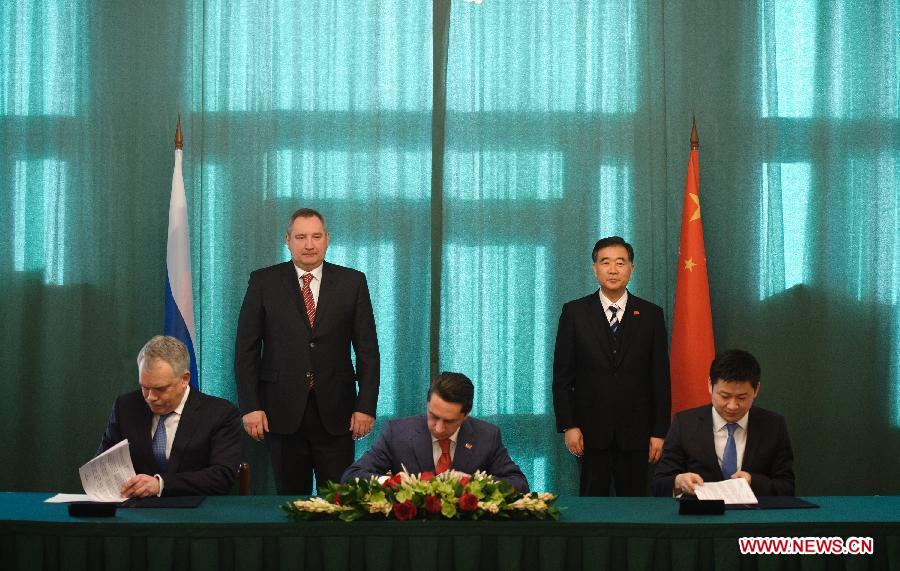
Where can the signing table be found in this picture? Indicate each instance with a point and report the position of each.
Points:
(250, 533)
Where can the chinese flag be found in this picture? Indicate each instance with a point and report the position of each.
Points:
(692, 336)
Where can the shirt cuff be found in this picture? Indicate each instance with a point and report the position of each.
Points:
(160, 480)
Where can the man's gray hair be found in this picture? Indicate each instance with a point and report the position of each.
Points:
(165, 348)
(307, 213)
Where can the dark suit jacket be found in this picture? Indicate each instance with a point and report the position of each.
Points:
(616, 398)
(276, 347)
(689, 447)
(407, 442)
(206, 450)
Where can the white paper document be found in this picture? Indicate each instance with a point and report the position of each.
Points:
(734, 491)
(68, 498)
(102, 477)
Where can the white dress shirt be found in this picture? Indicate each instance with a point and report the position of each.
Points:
(316, 282)
(436, 448)
(171, 428)
(720, 436)
(171, 422)
(620, 304)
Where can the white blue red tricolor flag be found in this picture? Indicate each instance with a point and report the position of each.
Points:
(179, 321)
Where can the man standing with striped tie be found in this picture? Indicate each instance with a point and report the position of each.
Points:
(611, 378)
(296, 382)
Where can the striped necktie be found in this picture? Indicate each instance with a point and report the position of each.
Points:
(308, 299)
(613, 321)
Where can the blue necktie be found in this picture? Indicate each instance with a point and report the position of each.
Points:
(159, 443)
(729, 457)
(613, 322)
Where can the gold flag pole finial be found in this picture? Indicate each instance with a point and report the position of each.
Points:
(179, 138)
(695, 139)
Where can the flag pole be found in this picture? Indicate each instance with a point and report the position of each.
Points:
(179, 137)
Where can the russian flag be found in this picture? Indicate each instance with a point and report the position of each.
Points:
(179, 319)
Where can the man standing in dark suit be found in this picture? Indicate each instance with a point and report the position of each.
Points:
(445, 438)
(182, 442)
(295, 378)
(611, 378)
(730, 439)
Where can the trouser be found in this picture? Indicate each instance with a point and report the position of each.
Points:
(627, 469)
(311, 449)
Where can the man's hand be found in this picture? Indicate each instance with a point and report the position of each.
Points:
(256, 424)
(742, 474)
(140, 486)
(656, 446)
(685, 483)
(575, 441)
(361, 424)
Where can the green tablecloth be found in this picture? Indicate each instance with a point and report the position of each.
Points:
(250, 533)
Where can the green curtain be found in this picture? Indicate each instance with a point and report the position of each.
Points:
(466, 156)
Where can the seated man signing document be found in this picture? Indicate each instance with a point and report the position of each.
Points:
(730, 439)
(445, 438)
(182, 442)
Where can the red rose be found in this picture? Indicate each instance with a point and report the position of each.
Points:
(405, 511)
(433, 504)
(463, 481)
(393, 482)
(337, 498)
(468, 502)
(425, 476)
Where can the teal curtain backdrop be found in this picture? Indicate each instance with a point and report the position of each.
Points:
(467, 156)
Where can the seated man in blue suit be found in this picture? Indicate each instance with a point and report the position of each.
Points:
(182, 442)
(730, 439)
(446, 437)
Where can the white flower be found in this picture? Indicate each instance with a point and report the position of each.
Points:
(319, 505)
(490, 507)
(380, 506)
(528, 503)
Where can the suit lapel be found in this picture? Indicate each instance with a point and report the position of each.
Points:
(630, 322)
(187, 424)
(599, 324)
(326, 292)
(704, 435)
(465, 449)
(420, 442)
(294, 292)
(752, 443)
(142, 448)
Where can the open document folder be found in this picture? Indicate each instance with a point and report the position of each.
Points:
(102, 477)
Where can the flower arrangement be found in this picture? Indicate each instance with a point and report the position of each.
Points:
(403, 496)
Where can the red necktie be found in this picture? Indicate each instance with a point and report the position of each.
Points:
(308, 299)
(443, 463)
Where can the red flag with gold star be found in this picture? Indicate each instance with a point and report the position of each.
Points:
(692, 335)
